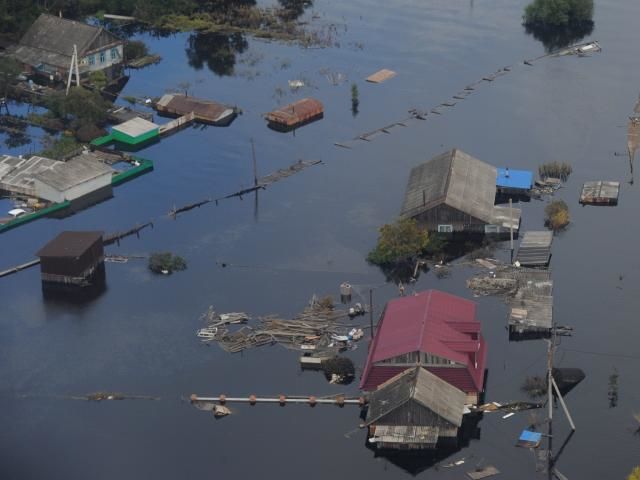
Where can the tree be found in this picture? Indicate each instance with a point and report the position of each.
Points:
(635, 474)
(81, 106)
(9, 70)
(399, 242)
(98, 79)
(166, 262)
(558, 13)
(556, 215)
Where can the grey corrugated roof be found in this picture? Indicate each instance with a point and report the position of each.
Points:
(422, 386)
(535, 248)
(456, 179)
(80, 169)
(50, 40)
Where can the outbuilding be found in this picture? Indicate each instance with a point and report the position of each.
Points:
(415, 410)
(72, 258)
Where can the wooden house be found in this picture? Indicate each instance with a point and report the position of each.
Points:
(415, 410)
(455, 192)
(46, 49)
(72, 258)
(434, 330)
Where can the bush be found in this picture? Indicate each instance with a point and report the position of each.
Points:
(343, 369)
(556, 215)
(81, 106)
(98, 79)
(558, 13)
(635, 474)
(135, 49)
(399, 242)
(560, 170)
(166, 263)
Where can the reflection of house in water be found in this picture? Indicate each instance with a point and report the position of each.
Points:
(455, 192)
(47, 47)
(434, 330)
(72, 258)
(415, 410)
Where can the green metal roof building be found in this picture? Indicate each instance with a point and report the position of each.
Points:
(134, 131)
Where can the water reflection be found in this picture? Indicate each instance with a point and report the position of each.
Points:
(215, 50)
(559, 37)
(418, 461)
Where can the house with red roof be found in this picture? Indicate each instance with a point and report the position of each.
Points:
(434, 330)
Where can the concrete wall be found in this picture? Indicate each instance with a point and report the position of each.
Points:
(52, 194)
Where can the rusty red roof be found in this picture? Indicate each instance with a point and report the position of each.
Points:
(295, 113)
(431, 322)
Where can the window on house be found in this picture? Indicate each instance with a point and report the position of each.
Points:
(491, 229)
(445, 228)
(102, 57)
(114, 53)
(92, 59)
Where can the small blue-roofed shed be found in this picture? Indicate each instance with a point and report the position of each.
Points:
(514, 181)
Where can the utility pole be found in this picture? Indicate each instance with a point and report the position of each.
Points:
(255, 166)
(73, 68)
(511, 226)
(371, 311)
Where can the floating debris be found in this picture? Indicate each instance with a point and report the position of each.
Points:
(100, 396)
(483, 472)
(381, 76)
(529, 439)
(319, 328)
(600, 193)
(295, 84)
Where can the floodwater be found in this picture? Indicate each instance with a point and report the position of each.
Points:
(309, 233)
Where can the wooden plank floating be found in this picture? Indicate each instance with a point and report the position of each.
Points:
(381, 76)
(600, 193)
(295, 114)
(282, 400)
(535, 249)
(206, 111)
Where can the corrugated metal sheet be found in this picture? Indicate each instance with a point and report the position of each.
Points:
(432, 322)
(456, 179)
(535, 248)
(296, 113)
(422, 386)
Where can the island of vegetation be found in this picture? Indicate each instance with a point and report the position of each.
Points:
(558, 13)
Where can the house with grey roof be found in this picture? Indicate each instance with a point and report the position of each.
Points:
(455, 192)
(47, 47)
(415, 410)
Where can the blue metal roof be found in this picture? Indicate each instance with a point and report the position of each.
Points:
(508, 178)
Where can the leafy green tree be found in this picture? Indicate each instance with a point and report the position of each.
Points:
(98, 79)
(558, 13)
(81, 106)
(9, 70)
(399, 242)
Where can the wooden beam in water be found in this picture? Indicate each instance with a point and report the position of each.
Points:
(19, 268)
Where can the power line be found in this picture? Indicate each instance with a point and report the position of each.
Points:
(602, 354)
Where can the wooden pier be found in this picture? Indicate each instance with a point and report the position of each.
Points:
(177, 124)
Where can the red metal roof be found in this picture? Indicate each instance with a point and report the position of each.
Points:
(430, 322)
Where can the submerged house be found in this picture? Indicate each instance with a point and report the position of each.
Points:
(46, 49)
(72, 259)
(455, 192)
(433, 330)
(415, 410)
